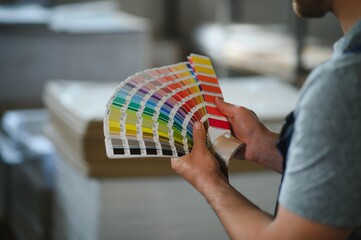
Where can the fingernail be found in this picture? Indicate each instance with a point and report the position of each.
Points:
(198, 125)
(174, 159)
(219, 99)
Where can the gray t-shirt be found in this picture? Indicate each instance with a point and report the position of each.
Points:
(322, 181)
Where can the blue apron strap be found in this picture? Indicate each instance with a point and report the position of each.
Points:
(285, 137)
(354, 50)
(283, 144)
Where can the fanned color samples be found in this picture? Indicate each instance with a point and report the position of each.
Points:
(152, 112)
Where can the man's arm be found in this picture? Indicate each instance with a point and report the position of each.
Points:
(241, 218)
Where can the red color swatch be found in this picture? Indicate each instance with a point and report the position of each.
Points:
(219, 123)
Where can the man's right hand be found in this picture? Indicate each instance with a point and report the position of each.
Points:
(259, 140)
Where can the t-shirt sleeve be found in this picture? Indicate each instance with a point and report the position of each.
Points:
(322, 181)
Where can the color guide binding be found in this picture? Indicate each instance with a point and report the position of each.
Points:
(152, 112)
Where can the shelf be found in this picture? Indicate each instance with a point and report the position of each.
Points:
(265, 50)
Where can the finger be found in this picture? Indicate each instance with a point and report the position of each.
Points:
(199, 136)
(253, 113)
(175, 161)
(227, 109)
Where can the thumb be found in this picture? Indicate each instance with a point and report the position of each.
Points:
(227, 109)
(175, 162)
(199, 136)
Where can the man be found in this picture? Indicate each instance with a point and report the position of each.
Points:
(320, 197)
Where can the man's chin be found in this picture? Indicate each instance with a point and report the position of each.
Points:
(308, 13)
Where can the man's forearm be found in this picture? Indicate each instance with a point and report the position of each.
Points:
(245, 221)
(241, 218)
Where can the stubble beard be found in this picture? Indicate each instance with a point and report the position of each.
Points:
(311, 8)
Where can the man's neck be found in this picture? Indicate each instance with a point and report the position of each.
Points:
(348, 12)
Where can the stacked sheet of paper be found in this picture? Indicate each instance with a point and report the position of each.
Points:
(76, 111)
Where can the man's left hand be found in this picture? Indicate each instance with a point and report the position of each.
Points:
(200, 168)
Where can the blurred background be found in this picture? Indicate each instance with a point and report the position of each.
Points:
(60, 61)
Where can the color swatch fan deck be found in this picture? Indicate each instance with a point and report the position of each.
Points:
(152, 113)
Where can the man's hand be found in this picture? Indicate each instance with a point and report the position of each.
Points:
(200, 167)
(259, 140)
